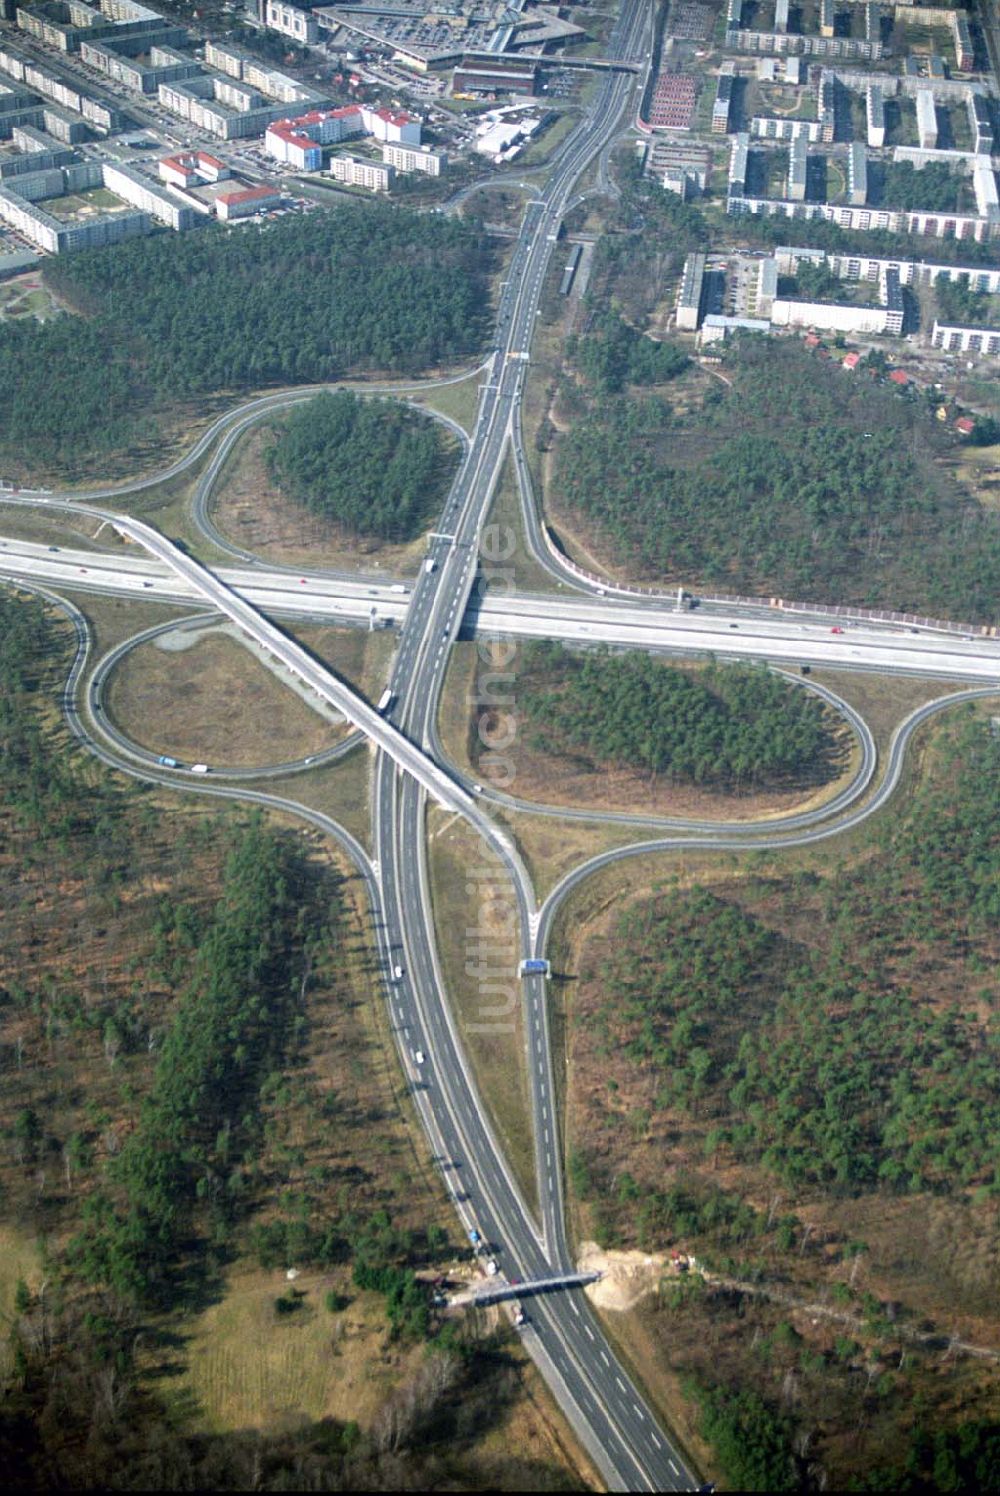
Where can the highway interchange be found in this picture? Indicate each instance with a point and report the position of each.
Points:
(610, 1414)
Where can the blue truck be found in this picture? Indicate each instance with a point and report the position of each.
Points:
(534, 968)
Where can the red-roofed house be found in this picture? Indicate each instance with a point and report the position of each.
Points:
(851, 361)
(188, 167)
(898, 377)
(245, 202)
(965, 425)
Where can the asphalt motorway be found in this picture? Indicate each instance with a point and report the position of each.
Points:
(606, 1409)
(650, 624)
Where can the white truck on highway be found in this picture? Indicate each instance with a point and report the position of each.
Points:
(430, 564)
(385, 700)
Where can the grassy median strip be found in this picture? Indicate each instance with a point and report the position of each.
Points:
(475, 920)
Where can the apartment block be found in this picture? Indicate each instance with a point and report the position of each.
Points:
(798, 167)
(133, 187)
(414, 158)
(875, 116)
(691, 293)
(927, 130)
(291, 20)
(738, 158)
(359, 171)
(980, 124)
(857, 173)
(723, 102)
(961, 35)
(956, 339)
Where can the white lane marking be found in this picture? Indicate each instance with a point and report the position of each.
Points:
(589, 1332)
(575, 1310)
(621, 1384)
(656, 1441)
(604, 1358)
(673, 1467)
(638, 1410)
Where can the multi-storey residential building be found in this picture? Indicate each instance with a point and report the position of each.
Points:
(965, 59)
(414, 158)
(132, 186)
(41, 80)
(360, 171)
(875, 116)
(927, 129)
(857, 173)
(738, 160)
(723, 101)
(826, 107)
(119, 60)
(984, 184)
(782, 127)
(291, 20)
(980, 124)
(689, 300)
(872, 267)
(955, 338)
(298, 142)
(798, 168)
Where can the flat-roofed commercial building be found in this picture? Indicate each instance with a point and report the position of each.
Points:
(498, 75)
(245, 202)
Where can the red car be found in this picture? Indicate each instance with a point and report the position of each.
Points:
(836, 631)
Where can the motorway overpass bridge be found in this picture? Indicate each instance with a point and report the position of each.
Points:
(496, 1290)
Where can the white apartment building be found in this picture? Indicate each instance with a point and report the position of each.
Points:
(359, 171)
(927, 129)
(875, 116)
(291, 20)
(414, 158)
